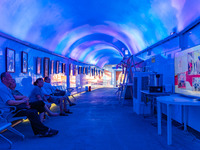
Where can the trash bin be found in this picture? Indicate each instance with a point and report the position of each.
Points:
(89, 89)
(86, 88)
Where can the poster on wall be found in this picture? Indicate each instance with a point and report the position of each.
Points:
(187, 72)
(70, 69)
(99, 73)
(63, 67)
(46, 67)
(74, 70)
(60, 68)
(89, 71)
(52, 67)
(86, 70)
(38, 65)
(10, 60)
(79, 70)
(93, 72)
(83, 70)
(57, 67)
(24, 62)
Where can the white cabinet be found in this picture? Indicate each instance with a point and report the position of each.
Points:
(140, 83)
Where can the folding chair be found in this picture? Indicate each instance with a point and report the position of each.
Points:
(6, 117)
(69, 91)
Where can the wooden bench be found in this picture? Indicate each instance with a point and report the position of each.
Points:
(8, 121)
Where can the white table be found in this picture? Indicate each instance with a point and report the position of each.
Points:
(174, 99)
(152, 97)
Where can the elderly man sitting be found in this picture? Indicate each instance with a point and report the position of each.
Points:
(49, 91)
(6, 98)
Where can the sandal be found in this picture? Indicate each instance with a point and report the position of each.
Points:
(68, 112)
(72, 104)
(63, 114)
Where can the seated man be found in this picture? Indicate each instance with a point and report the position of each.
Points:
(50, 90)
(38, 105)
(6, 98)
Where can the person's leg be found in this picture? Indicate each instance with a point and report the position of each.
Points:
(38, 105)
(42, 117)
(36, 124)
(68, 100)
(65, 107)
(65, 104)
(50, 112)
(58, 100)
(61, 104)
(70, 103)
(62, 112)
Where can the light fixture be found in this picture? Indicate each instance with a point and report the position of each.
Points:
(126, 52)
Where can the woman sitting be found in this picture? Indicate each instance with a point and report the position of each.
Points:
(37, 95)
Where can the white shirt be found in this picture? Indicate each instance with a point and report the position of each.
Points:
(48, 89)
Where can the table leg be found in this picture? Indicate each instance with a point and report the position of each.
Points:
(169, 125)
(185, 118)
(159, 117)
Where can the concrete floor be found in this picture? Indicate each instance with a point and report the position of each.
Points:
(100, 123)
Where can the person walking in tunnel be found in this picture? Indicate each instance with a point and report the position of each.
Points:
(51, 92)
(6, 98)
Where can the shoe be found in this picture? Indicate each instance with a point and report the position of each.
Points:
(53, 132)
(63, 114)
(49, 133)
(72, 104)
(68, 112)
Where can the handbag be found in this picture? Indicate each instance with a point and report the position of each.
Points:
(59, 93)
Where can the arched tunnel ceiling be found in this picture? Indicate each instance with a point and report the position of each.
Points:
(95, 31)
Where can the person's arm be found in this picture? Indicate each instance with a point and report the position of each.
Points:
(45, 99)
(53, 88)
(18, 97)
(39, 97)
(14, 103)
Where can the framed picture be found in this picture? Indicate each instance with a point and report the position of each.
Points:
(70, 69)
(83, 70)
(92, 72)
(60, 68)
(52, 67)
(24, 62)
(79, 70)
(46, 66)
(74, 70)
(89, 70)
(38, 65)
(10, 60)
(63, 67)
(57, 66)
(86, 70)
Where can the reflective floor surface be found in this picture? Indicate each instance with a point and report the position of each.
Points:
(99, 122)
